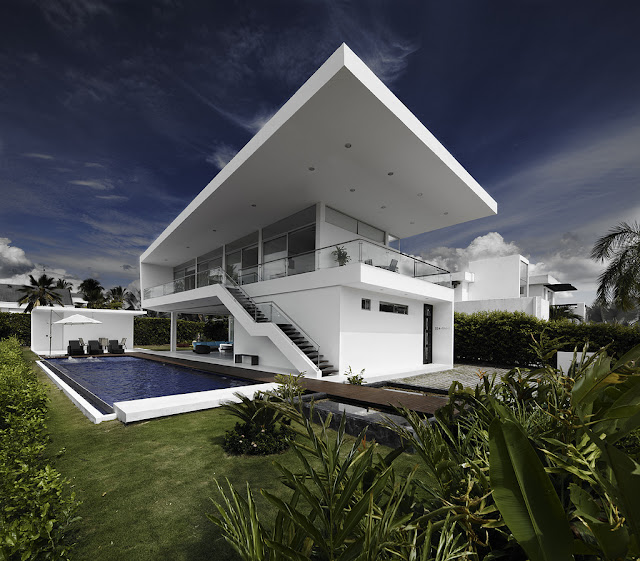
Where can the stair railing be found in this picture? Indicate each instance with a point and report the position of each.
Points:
(269, 309)
(276, 315)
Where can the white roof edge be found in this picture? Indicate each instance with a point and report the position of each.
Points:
(320, 77)
(83, 311)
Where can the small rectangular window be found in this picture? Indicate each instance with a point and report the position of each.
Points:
(394, 308)
(366, 304)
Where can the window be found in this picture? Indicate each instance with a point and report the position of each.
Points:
(350, 224)
(394, 308)
(366, 304)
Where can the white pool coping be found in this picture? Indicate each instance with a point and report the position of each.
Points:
(154, 407)
(80, 402)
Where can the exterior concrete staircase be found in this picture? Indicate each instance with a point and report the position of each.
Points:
(265, 313)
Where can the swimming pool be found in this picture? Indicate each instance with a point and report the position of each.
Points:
(115, 379)
(134, 389)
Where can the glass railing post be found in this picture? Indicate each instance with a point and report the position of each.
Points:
(360, 252)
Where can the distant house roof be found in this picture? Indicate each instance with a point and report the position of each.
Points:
(11, 293)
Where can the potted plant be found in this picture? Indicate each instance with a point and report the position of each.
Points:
(341, 256)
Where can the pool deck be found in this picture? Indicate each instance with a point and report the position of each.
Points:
(378, 398)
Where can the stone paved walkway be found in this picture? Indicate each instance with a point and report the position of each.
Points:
(468, 374)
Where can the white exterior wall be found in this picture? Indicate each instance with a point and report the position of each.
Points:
(268, 353)
(116, 324)
(533, 305)
(498, 277)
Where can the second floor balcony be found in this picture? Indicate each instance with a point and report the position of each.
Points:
(353, 251)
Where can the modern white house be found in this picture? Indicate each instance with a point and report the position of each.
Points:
(292, 237)
(504, 284)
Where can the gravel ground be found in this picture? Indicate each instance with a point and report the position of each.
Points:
(468, 374)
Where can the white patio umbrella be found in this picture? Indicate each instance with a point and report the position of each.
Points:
(75, 319)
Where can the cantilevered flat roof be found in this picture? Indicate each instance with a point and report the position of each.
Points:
(344, 139)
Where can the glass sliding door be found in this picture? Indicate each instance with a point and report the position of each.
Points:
(274, 258)
(301, 250)
(249, 265)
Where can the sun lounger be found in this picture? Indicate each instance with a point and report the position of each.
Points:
(115, 347)
(75, 348)
(94, 348)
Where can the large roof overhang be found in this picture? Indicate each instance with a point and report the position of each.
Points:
(344, 139)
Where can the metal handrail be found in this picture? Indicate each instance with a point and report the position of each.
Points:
(289, 320)
(259, 275)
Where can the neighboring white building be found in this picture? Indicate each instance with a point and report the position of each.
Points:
(10, 297)
(51, 338)
(504, 284)
(342, 169)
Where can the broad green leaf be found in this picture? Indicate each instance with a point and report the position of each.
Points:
(525, 496)
(614, 542)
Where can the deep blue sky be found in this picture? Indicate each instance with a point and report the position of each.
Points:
(115, 114)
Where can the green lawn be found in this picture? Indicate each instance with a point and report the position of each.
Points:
(145, 488)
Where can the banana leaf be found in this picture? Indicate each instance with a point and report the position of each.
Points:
(525, 496)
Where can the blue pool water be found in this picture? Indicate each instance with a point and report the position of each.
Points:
(124, 378)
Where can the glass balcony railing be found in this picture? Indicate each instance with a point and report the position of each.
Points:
(354, 251)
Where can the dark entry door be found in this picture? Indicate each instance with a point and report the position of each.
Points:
(428, 334)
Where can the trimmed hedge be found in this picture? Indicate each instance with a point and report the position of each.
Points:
(16, 325)
(36, 506)
(156, 331)
(504, 338)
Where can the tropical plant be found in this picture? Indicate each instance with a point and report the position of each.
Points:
(63, 283)
(562, 311)
(262, 430)
(132, 299)
(91, 290)
(40, 293)
(619, 284)
(340, 255)
(353, 378)
(115, 297)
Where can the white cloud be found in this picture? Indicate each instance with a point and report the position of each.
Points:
(13, 260)
(222, 155)
(482, 247)
(99, 184)
(112, 197)
(38, 156)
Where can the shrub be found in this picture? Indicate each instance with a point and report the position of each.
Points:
(156, 331)
(504, 338)
(16, 325)
(36, 506)
(263, 429)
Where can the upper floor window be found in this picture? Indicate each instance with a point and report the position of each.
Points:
(337, 218)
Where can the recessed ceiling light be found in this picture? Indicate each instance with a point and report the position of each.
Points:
(352, 190)
(214, 230)
(383, 206)
(254, 205)
(446, 213)
(347, 145)
(419, 194)
(311, 168)
(390, 173)
(188, 247)
(412, 222)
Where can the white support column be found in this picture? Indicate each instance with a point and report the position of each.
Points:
(173, 336)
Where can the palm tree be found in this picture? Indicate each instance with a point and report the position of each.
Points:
(562, 311)
(619, 284)
(91, 289)
(63, 283)
(40, 293)
(132, 299)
